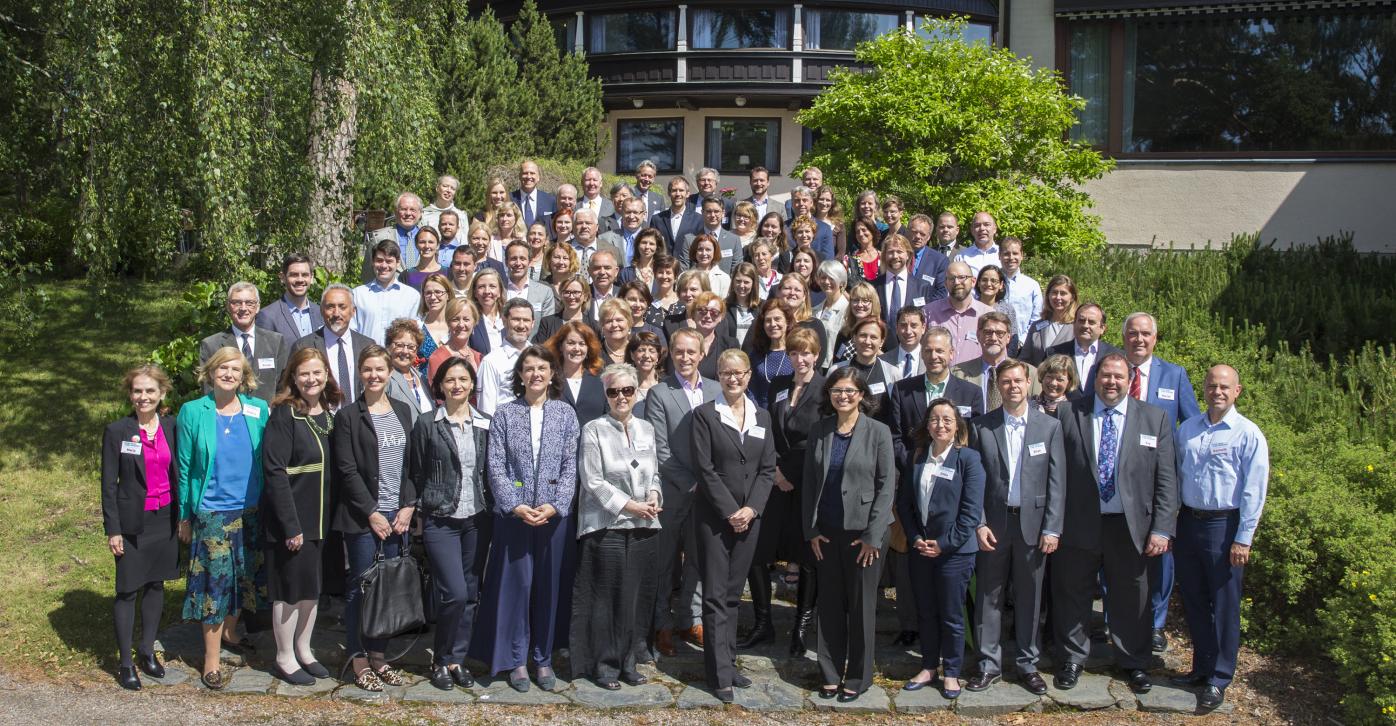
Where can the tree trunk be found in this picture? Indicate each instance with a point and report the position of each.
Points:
(330, 237)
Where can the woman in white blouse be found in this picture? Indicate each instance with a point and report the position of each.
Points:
(617, 519)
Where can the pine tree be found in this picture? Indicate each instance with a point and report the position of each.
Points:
(568, 109)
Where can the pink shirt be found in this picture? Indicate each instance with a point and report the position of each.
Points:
(157, 470)
(962, 325)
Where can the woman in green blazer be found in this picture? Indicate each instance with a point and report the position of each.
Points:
(220, 482)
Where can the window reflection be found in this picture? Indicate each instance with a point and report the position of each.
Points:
(740, 28)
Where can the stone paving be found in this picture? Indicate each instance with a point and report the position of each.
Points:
(780, 682)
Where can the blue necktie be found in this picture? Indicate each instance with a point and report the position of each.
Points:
(896, 304)
(906, 365)
(1109, 440)
(528, 211)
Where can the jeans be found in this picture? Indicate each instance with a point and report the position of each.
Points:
(362, 548)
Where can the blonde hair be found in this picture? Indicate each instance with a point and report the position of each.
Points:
(223, 355)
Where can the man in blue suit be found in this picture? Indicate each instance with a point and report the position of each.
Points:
(1165, 385)
(679, 219)
(536, 204)
(293, 316)
(927, 262)
(896, 287)
(802, 205)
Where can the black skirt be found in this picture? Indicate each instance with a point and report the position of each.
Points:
(294, 576)
(152, 555)
(782, 535)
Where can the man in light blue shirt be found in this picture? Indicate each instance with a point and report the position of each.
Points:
(985, 251)
(1024, 294)
(384, 298)
(1223, 471)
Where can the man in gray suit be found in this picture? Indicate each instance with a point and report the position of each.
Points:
(669, 408)
(592, 197)
(293, 317)
(632, 220)
(518, 284)
(644, 190)
(1024, 492)
(585, 242)
(1121, 509)
(340, 345)
(729, 245)
(264, 350)
(994, 331)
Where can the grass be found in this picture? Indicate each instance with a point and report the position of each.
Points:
(60, 390)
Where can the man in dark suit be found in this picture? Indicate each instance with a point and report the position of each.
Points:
(592, 197)
(927, 262)
(907, 401)
(759, 178)
(802, 205)
(1121, 509)
(905, 353)
(644, 190)
(729, 245)
(896, 287)
(340, 345)
(707, 180)
(623, 238)
(1024, 492)
(679, 220)
(535, 204)
(264, 349)
(1086, 348)
(293, 317)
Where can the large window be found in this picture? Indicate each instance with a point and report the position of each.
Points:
(738, 144)
(740, 28)
(632, 32)
(564, 31)
(1289, 82)
(845, 29)
(658, 139)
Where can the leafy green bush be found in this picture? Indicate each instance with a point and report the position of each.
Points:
(1362, 618)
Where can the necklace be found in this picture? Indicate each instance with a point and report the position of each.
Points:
(227, 427)
(314, 425)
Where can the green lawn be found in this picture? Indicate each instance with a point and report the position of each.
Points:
(59, 392)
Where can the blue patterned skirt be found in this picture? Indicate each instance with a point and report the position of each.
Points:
(225, 567)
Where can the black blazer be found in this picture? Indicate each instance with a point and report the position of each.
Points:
(297, 476)
(792, 426)
(355, 446)
(732, 473)
(590, 402)
(723, 339)
(906, 410)
(869, 478)
(123, 477)
(434, 465)
(692, 224)
(1068, 349)
(955, 503)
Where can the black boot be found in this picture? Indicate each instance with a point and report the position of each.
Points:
(759, 578)
(804, 614)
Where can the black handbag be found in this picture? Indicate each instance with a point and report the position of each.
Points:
(392, 595)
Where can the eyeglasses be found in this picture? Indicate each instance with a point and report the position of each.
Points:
(709, 311)
(733, 375)
(626, 391)
(993, 333)
(844, 391)
(242, 303)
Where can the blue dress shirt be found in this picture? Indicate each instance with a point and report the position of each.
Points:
(1225, 465)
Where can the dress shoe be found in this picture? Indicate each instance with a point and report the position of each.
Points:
(1159, 642)
(314, 668)
(725, 695)
(982, 681)
(609, 684)
(546, 681)
(664, 641)
(462, 677)
(441, 678)
(847, 696)
(1139, 681)
(518, 683)
(914, 685)
(694, 635)
(764, 632)
(1211, 697)
(126, 677)
(634, 679)
(949, 694)
(297, 677)
(1188, 680)
(740, 681)
(828, 692)
(1067, 676)
(213, 680)
(150, 665)
(1034, 683)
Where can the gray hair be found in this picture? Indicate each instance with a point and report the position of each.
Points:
(802, 191)
(835, 270)
(338, 286)
(706, 171)
(644, 164)
(239, 286)
(448, 178)
(560, 187)
(616, 187)
(619, 370)
(407, 195)
(1153, 322)
(584, 211)
(939, 331)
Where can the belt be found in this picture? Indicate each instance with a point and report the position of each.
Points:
(1209, 513)
(1014, 511)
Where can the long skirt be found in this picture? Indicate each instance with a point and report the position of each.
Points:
(225, 567)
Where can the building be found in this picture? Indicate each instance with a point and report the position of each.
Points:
(1224, 115)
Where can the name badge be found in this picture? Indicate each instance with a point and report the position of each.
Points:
(918, 301)
(131, 447)
(969, 335)
(1220, 449)
(252, 412)
(1037, 449)
(783, 396)
(826, 315)
(758, 432)
(726, 252)
(964, 411)
(264, 364)
(945, 472)
(877, 389)
(644, 446)
(929, 278)
(1166, 394)
(481, 423)
(1148, 442)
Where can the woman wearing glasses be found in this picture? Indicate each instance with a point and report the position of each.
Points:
(617, 520)
(736, 459)
(707, 313)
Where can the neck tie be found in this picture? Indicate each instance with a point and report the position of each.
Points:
(992, 395)
(346, 383)
(528, 210)
(246, 347)
(1106, 457)
(1135, 385)
(896, 303)
(906, 364)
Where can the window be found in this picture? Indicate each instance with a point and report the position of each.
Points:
(632, 32)
(1288, 82)
(565, 31)
(658, 139)
(845, 29)
(973, 33)
(738, 144)
(740, 28)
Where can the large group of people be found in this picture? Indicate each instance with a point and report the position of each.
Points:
(606, 417)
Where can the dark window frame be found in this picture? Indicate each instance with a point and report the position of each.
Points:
(708, 159)
(629, 168)
(590, 19)
(690, 21)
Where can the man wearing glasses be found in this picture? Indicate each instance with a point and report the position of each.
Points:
(959, 312)
(265, 350)
(994, 331)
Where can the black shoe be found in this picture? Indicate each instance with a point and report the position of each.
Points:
(546, 682)
(764, 632)
(827, 692)
(297, 677)
(634, 679)
(608, 684)
(126, 677)
(1139, 681)
(1067, 676)
(150, 665)
(1159, 642)
(315, 669)
(847, 697)
(740, 681)
(1034, 683)
(982, 681)
(1210, 698)
(1188, 680)
(462, 677)
(724, 694)
(906, 638)
(441, 678)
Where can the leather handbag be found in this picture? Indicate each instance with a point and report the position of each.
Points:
(392, 595)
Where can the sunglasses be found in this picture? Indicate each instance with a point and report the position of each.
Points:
(626, 391)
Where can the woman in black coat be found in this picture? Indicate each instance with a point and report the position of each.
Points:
(297, 500)
(140, 516)
(376, 500)
(736, 461)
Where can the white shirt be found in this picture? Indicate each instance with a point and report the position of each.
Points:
(720, 282)
(1014, 430)
(977, 258)
(914, 355)
(1025, 295)
(251, 341)
(728, 417)
(927, 484)
(1085, 360)
(431, 216)
(535, 430)
(1115, 505)
(497, 378)
(593, 204)
(675, 220)
(1143, 371)
(901, 278)
(575, 384)
(494, 330)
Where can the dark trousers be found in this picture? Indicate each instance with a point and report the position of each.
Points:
(940, 584)
(362, 548)
(724, 557)
(1161, 579)
(846, 609)
(456, 549)
(1020, 563)
(610, 567)
(518, 617)
(1074, 571)
(1211, 590)
(676, 537)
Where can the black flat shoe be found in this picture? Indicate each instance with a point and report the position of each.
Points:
(725, 695)
(1034, 683)
(740, 681)
(1210, 698)
(150, 665)
(518, 683)
(546, 681)
(634, 679)
(462, 677)
(1188, 680)
(827, 692)
(982, 681)
(441, 678)
(1067, 676)
(609, 684)
(1159, 643)
(126, 678)
(848, 697)
(297, 677)
(1139, 681)
(315, 669)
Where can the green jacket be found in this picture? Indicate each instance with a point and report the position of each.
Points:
(198, 443)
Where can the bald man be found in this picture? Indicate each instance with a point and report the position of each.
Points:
(959, 312)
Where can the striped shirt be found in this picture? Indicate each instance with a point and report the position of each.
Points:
(392, 448)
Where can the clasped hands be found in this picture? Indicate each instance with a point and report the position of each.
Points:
(535, 516)
(382, 528)
(648, 509)
(741, 519)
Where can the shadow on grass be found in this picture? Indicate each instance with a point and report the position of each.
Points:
(84, 623)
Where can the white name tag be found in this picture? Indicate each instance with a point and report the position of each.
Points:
(252, 412)
(877, 389)
(827, 315)
(1037, 449)
(1220, 449)
(783, 396)
(758, 432)
(131, 447)
(1166, 394)
(929, 279)
(264, 364)
(726, 252)
(481, 423)
(945, 472)
(969, 335)
(644, 446)
(964, 411)
(1148, 442)
(918, 301)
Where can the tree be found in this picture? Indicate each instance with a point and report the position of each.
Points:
(567, 102)
(959, 127)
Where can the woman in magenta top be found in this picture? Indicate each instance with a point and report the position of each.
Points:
(140, 516)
